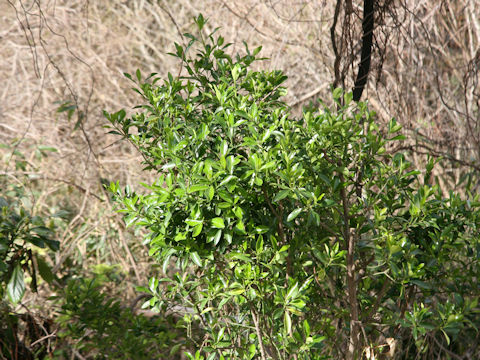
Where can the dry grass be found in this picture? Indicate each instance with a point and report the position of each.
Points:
(425, 73)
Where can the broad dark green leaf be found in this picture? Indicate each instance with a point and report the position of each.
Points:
(16, 285)
(44, 270)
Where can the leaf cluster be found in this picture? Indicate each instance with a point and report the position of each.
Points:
(284, 237)
(21, 233)
(99, 326)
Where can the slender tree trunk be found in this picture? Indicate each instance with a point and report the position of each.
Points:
(354, 340)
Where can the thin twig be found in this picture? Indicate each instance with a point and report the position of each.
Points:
(54, 334)
(256, 321)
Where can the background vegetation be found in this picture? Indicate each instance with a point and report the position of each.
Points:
(62, 64)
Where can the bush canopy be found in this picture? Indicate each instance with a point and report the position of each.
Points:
(293, 238)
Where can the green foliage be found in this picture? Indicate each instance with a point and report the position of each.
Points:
(20, 234)
(27, 237)
(98, 326)
(293, 237)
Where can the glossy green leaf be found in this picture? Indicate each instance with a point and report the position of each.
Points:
(195, 258)
(287, 323)
(16, 285)
(282, 194)
(293, 215)
(217, 237)
(218, 223)
(198, 187)
(197, 230)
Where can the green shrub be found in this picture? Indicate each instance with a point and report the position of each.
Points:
(99, 326)
(20, 232)
(25, 240)
(293, 238)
